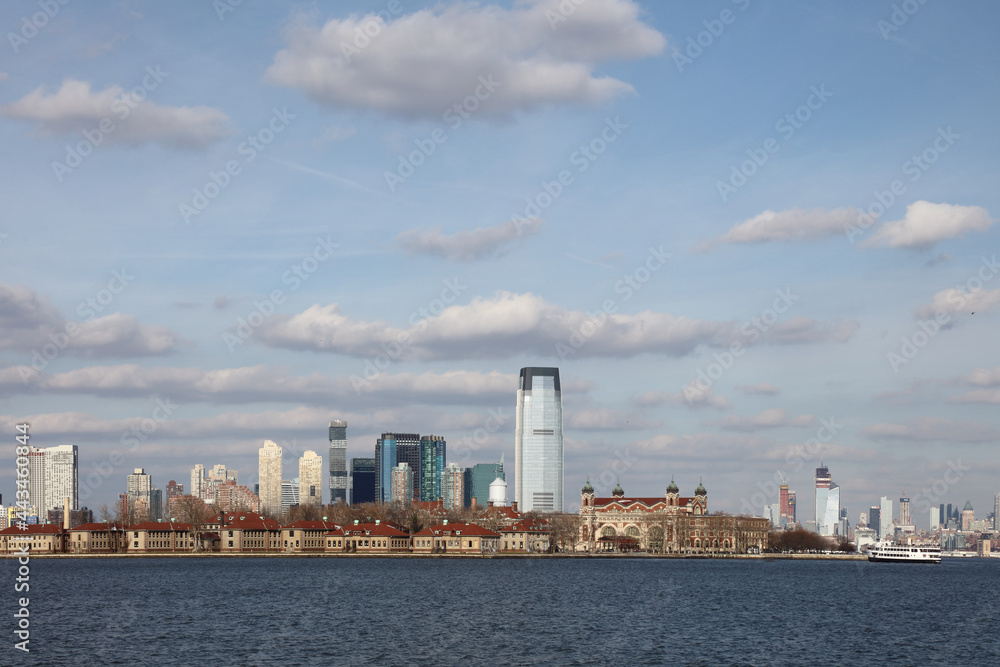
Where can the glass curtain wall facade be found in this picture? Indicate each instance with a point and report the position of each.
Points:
(432, 463)
(538, 442)
(823, 481)
(338, 461)
(390, 449)
(362, 481)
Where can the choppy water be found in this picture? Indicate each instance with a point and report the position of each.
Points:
(486, 612)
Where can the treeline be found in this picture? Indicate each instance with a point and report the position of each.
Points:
(801, 539)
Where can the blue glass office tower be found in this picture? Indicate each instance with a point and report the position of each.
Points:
(538, 441)
(387, 457)
(432, 463)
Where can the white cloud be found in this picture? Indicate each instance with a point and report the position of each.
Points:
(421, 64)
(933, 429)
(509, 324)
(954, 301)
(74, 108)
(466, 245)
(28, 323)
(772, 418)
(692, 396)
(795, 224)
(765, 388)
(926, 224)
(985, 377)
(605, 419)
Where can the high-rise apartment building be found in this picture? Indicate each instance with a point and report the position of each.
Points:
(311, 479)
(269, 473)
(886, 531)
(453, 486)
(538, 441)
(996, 512)
(62, 466)
(197, 488)
(362, 489)
(390, 449)
(904, 511)
(791, 507)
(143, 501)
(432, 461)
(401, 489)
(822, 495)
(36, 479)
(337, 461)
(784, 517)
(289, 494)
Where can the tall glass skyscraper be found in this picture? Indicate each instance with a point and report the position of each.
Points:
(823, 481)
(390, 449)
(886, 531)
(432, 461)
(362, 481)
(338, 461)
(538, 442)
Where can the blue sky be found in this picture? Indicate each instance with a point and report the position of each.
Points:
(236, 170)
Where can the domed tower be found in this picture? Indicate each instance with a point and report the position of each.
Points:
(618, 492)
(673, 493)
(700, 499)
(587, 495)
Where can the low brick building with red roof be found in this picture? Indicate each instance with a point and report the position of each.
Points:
(526, 536)
(463, 538)
(306, 536)
(247, 532)
(373, 538)
(44, 538)
(160, 537)
(97, 538)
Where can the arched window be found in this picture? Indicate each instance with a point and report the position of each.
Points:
(608, 531)
(632, 531)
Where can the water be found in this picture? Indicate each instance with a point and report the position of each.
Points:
(263, 611)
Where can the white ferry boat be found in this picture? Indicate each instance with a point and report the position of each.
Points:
(886, 552)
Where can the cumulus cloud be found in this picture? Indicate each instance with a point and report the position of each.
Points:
(933, 429)
(253, 384)
(926, 224)
(772, 418)
(955, 301)
(75, 108)
(419, 65)
(765, 388)
(28, 323)
(509, 324)
(605, 419)
(988, 381)
(795, 224)
(466, 246)
(692, 396)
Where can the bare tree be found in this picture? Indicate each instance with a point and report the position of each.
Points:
(192, 510)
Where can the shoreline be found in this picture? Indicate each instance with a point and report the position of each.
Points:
(763, 557)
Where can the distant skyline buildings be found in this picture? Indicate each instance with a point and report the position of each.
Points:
(433, 455)
(885, 518)
(538, 441)
(338, 480)
(401, 491)
(311, 479)
(269, 474)
(362, 482)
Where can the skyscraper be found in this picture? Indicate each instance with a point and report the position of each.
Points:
(362, 481)
(785, 516)
(402, 484)
(338, 461)
(390, 449)
(886, 530)
(432, 462)
(143, 500)
(453, 486)
(831, 519)
(61, 477)
(823, 481)
(197, 488)
(791, 507)
(311, 479)
(538, 441)
(408, 452)
(269, 473)
(874, 520)
(904, 511)
(968, 516)
(935, 518)
(996, 512)
(36, 479)
(481, 476)
(289, 494)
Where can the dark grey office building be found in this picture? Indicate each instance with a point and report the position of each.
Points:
(362, 481)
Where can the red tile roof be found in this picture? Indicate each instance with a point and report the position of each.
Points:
(380, 530)
(649, 502)
(33, 529)
(99, 527)
(247, 521)
(157, 525)
(455, 529)
(312, 525)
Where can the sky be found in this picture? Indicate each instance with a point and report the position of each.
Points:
(753, 236)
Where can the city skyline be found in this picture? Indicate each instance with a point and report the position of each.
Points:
(727, 251)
